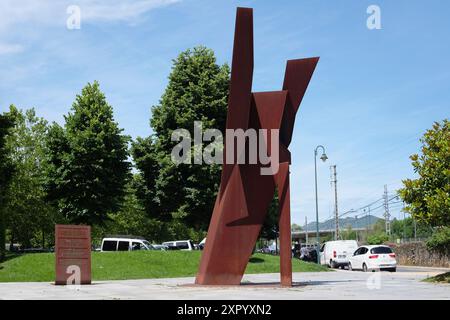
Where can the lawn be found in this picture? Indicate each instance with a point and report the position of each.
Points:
(440, 278)
(134, 265)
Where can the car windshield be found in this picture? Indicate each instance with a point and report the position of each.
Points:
(183, 245)
(378, 250)
(148, 245)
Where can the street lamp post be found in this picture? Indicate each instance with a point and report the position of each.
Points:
(324, 158)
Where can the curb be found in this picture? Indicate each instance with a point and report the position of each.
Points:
(423, 267)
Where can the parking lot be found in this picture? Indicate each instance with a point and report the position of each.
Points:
(341, 284)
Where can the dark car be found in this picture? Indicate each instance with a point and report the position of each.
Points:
(309, 256)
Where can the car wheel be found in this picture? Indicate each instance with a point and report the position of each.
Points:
(393, 270)
(364, 267)
(332, 264)
(350, 267)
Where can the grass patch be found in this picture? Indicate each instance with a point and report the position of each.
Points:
(134, 265)
(440, 278)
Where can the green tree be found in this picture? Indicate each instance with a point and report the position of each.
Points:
(30, 218)
(348, 233)
(197, 91)
(6, 171)
(402, 228)
(427, 198)
(440, 240)
(325, 238)
(88, 158)
(378, 238)
(378, 234)
(132, 218)
(270, 228)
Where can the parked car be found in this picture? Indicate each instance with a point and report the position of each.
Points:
(185, 245)
(308, 253)
(125, 244)
(264, 249)
(335, 254)
(15, 247)
(377, 257)
(201, 245)
(160, 247)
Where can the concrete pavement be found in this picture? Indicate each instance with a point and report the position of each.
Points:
(341, 284)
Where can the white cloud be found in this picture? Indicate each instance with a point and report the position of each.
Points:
(15, 13)
(9, 48)
(119, 10)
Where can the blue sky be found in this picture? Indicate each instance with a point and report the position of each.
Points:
(372, 96)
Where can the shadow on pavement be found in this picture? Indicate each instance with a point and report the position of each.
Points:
(255, 260)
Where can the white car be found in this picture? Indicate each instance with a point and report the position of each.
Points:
(202, 243)
(184, 245)
(378, 257)
(125, 244)
(160, 247)
(335, 254)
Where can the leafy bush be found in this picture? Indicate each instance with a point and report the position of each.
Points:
(440, 241)
(377, 238)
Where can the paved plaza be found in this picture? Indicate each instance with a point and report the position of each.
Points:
(341, 284)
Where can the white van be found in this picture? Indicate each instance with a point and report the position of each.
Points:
(337, 253)
(185, 245)
(125, 244)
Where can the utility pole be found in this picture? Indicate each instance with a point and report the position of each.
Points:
(387, 215)
(336, 215)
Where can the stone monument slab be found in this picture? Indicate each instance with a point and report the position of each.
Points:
(72, 254)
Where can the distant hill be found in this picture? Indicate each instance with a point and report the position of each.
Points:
(361, 222)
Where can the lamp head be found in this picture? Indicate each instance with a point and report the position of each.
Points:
(323, 157)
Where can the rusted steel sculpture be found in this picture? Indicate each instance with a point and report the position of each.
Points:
(245, 195)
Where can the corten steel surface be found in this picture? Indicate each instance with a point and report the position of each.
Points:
(245, 195)
(72, 248)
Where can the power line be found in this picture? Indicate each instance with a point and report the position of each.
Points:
(370, 205)
(387, 204)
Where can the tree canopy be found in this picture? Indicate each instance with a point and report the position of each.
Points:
(6, 170)
(427, 197)
(197, 91)
(88, 160)
(29, 216)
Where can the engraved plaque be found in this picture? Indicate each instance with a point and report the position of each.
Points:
(72, 254)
